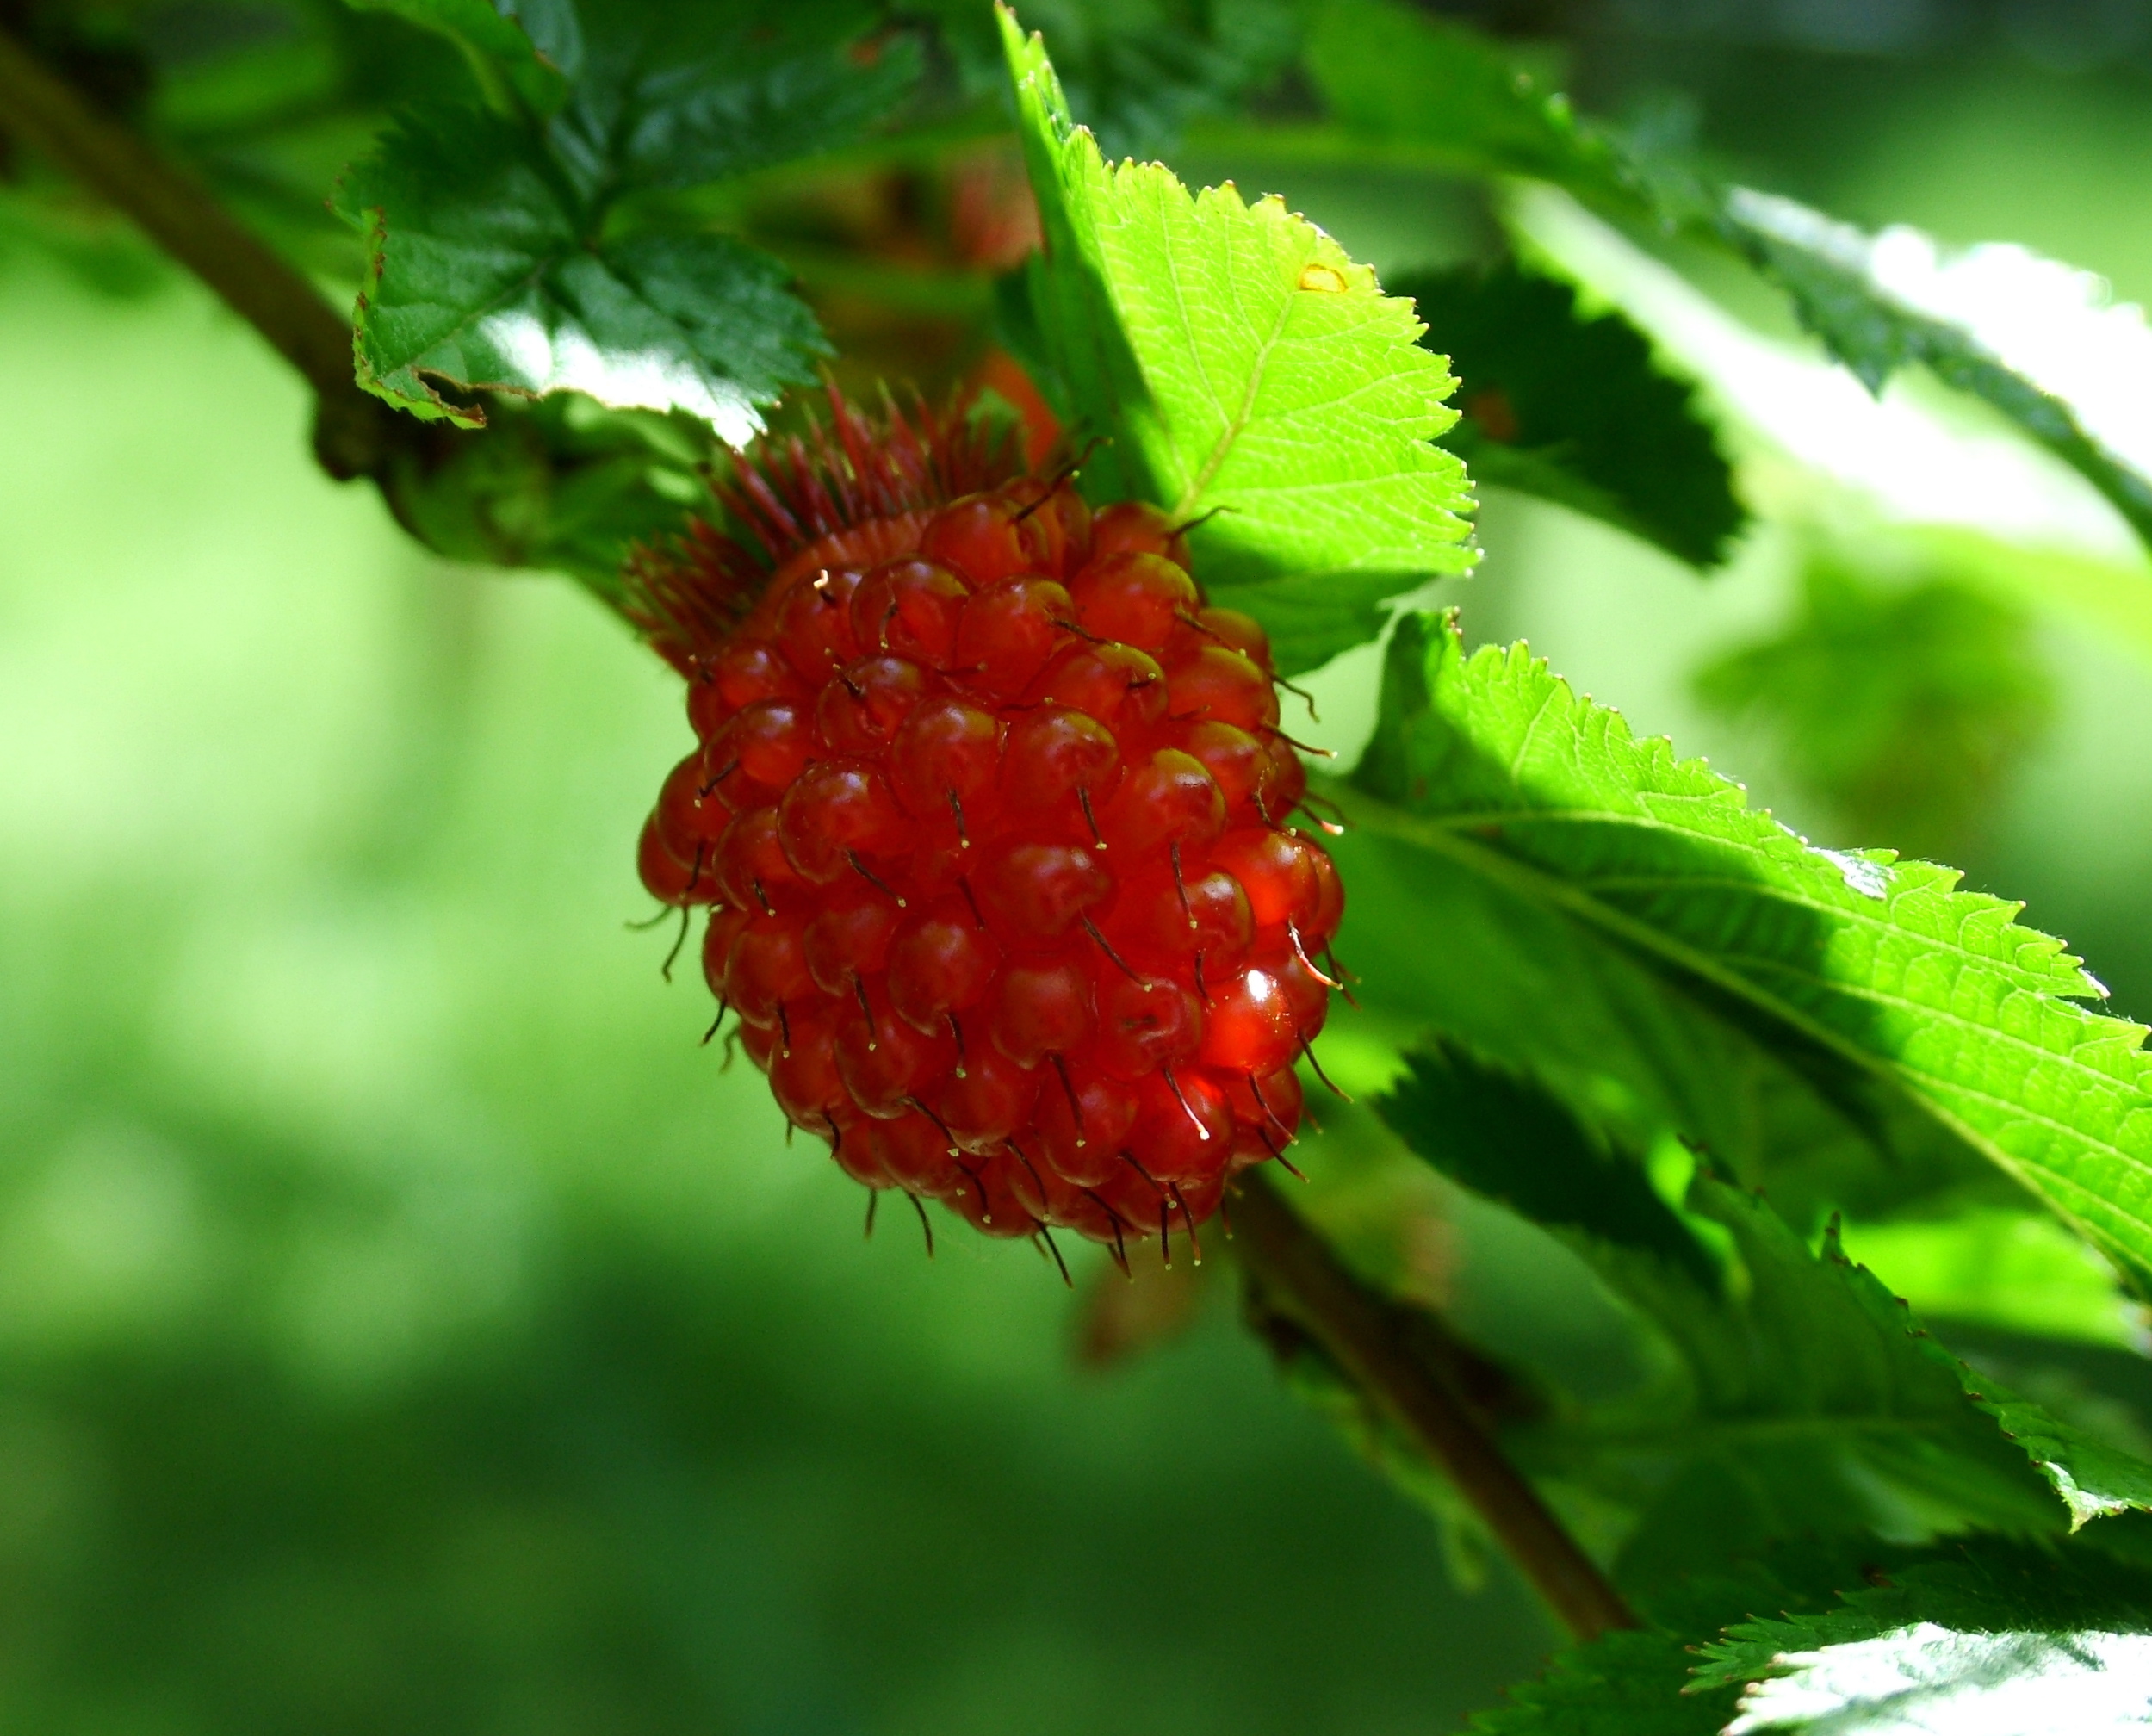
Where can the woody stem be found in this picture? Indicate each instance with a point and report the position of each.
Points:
(353, 429)
(1379, 1346)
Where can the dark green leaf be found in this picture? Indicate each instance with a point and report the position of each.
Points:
(525, 51)
(1574, 409)
(1804, 1405)
(1927, 1014)
(1623, 1684)
(1242, 367)
(1985, 1638)
(674, 96)
(1504, 1137)
(1395, 77)
(1800, 1400)
(1809, 1399)
(481, 276)
(1401, 75)
(498, 256)
(1902, 706)
(1138, 72)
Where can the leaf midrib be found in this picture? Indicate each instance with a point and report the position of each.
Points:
(1236, 424)
(1844, 913)
(1493, 865)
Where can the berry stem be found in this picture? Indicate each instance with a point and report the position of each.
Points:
(1372, 1340)
(353, 431)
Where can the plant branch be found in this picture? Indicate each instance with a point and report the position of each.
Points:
(351, 435)
(1372, 1340)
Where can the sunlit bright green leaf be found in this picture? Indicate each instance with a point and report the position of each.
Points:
(1247, 373)
(1891, 989)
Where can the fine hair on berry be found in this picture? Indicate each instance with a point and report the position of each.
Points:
(991, 809)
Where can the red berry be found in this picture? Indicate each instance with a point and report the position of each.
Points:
(1059, 761)
(1138, 599)
(1250, 1026)
(1145, 1023)
(665, 877)
(942, 962)
(848, 938)
(767, 743)
(813, 623)
(837, 810)
(1137, 527)
(1170, 799)
(992, 810)
(751, 868)
(1043, 1009)
(1010, 631)
(860, 710)
(1213, 682)
(885, 1061)
(1123, 688)
(911, 608)
(987, 538)
(945, 758)
(766, 967)
(987, 1098)
(915, 1154)
(1037, 892)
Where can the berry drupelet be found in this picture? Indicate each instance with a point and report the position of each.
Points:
(991, 810)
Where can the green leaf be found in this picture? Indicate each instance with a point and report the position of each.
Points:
(1628, 1048)
(479, 277)
(2092, 1480)
(2033, 338)
(1807, 1406)
(2018, 1272)
(1902, 706)
(1574, 409)
(1242, 366)
(1927, 1014)
(1623, 1684)
(2002, 1641)
(500, 256)
(526, 50)
(1806, 1390)
(1138, 72)
(1989, 1639)
(1798, 1401)
(1394, 74)
(1504, 1137)
(675, 97)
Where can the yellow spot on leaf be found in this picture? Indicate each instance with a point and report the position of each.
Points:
(1326, 278)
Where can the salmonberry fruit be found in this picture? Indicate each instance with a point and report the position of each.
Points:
(990, 808)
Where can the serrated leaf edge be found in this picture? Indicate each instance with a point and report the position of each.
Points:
(1450, 836)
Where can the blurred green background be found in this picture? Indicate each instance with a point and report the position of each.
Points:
(406, 1325)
